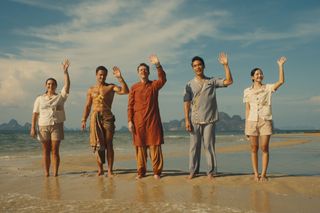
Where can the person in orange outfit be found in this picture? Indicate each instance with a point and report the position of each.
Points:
(144, 120)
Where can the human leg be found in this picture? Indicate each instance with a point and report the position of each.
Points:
(209, 137)
(195, 150)
(157, 160)
(264, 139)
(141, 158)
(46, 150)
(254, 143)
(57, 134)
(55, 145)
(110, 152)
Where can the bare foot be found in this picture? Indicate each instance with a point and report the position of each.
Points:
(100, 172)
(157, 177)
(110, 174)
(263, 179)
(191, 176)
(256, 178)
(139, 177)
(46, 174)
(210, 176)
(55, 175)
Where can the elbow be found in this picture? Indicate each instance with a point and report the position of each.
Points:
(280, 83)
(228, 82)
(125, 92)
(164, 81)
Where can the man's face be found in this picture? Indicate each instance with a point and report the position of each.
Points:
(197, 67)
(143, 73)
(101, 76)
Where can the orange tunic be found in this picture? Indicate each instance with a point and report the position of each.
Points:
(143, 111)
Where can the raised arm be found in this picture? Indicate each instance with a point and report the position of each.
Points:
(280, 62)
(65, 66)
(223, 59)
(86, 111)
(162, 79)
(123, 89)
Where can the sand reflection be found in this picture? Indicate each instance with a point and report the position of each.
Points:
(51, 188)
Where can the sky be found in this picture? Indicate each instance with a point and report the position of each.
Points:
(36, 35)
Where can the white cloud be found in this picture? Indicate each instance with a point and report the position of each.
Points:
(21, 81)
(95, 34)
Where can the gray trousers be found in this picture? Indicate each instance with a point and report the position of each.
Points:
(202, 133)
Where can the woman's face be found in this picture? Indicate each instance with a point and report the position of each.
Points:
(258, 76)
(51, 86)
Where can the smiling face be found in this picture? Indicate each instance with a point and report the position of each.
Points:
(143, 73)
(257, 76)
(101, 76)
(198, 67)
(51, 85)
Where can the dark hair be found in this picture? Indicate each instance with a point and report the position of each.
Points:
(253, 71)
(52, 79)
(198, 58)
(145, 65)
(103, 68)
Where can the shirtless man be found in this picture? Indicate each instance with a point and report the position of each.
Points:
(102, 127)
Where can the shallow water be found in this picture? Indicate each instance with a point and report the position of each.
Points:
(24, 189)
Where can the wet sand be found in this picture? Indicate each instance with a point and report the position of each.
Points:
(23, 188)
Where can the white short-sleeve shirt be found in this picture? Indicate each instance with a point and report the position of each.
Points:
(50, 109)
(260, 102)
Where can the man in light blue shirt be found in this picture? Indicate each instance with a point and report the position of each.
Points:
(201, 113)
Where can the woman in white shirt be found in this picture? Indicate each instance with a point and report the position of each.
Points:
(49, 115)
(259, 117)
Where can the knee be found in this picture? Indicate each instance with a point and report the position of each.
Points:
(55, 151)
(254, 148)
(265, 149)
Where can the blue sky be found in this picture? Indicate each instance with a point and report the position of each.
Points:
(36, 35)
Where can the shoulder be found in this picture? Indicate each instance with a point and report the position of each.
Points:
(270, 87)
(190, 82)
(108, 85)
(215, 79)
(38, 97)
(247, 89)
(91, 88)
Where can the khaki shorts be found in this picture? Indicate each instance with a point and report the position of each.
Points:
(260, 127)
(51, 132)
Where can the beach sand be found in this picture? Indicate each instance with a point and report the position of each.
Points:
(23, 188)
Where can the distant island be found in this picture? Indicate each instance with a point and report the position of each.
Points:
(13, 125)
(225, 124)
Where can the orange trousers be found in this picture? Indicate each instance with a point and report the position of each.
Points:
(156, 159)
